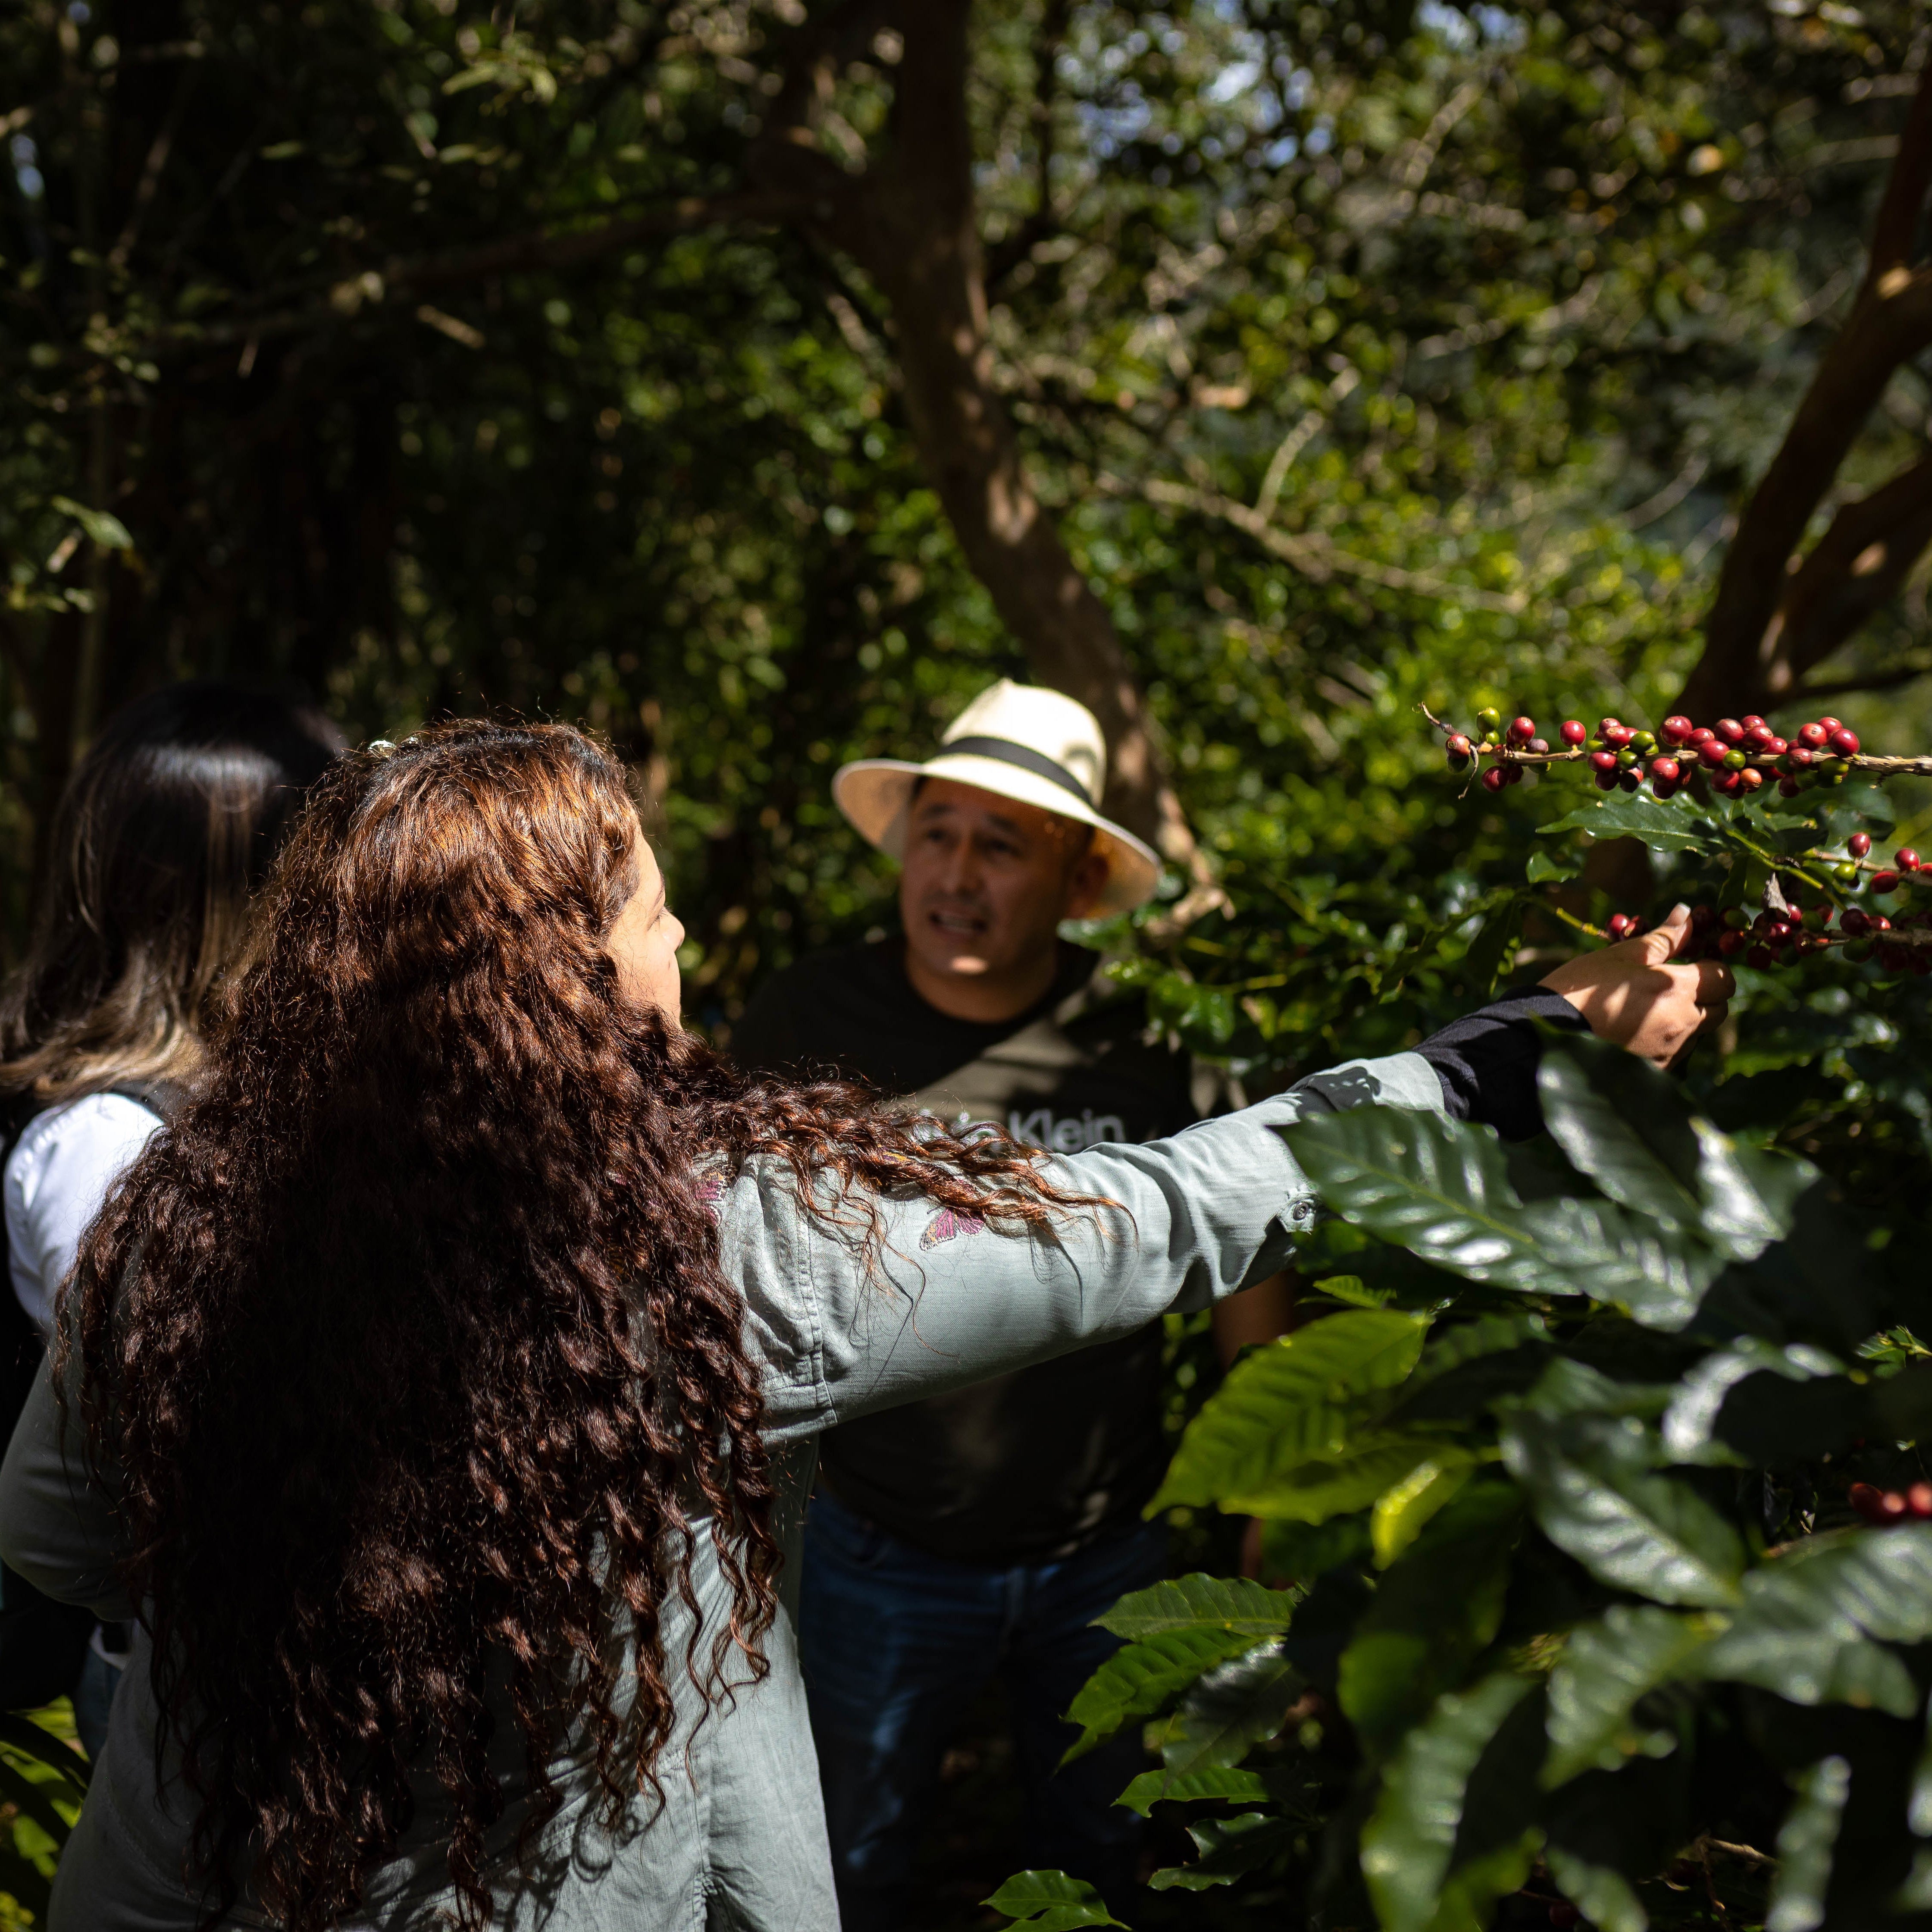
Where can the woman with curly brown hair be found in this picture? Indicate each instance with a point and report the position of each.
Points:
(439, 1391)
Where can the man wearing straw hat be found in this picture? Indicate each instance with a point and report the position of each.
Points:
(980, 1533)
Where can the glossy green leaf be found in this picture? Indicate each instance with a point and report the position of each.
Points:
(1434, 1613)
(1606, 1898)
(1605, 1667)
(1225, 1783)
(1050, 1902)
(1806, 1843)
(1691, 1422)
(1138, 1679)
(1336, 1485)
(1230, 1710)
(1813, 1624)
(1595, 1497)
(1288, 1403)
(1409, 1842)
(1436, 1187)
(1404, 1510)
(1303, 1550)
(1233, 1605)
(1230, 1848)
(1681, 824)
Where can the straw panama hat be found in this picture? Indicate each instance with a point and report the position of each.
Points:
(1021, 741)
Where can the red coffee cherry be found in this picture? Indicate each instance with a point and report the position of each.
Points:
(1702, 735)
(1616, 736)
(1604, 760)
(1884, 882)
(1606, 781)
(1540, 746)
(1731, 944)
(1777, 747)
(1813, 737)
(1572, 732)
(1845, 743)
(1854, 922)
(1750, 778)
(1730, 731)
(1666, 769)
(1750, 719)
(1869, 1500)
(1831, 724)
(1919, 1500)
(1674, 730)
(1522, 730)
(1760, 736)
(1906, 860)
(1495, 777)
(1858, 844)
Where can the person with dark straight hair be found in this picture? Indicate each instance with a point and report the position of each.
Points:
(164, 833)
(439, 1392)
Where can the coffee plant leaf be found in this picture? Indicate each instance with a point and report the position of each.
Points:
(1659, 1275)
(1605, 1668)
(1438, 1188)
(1140, 1677)
(1410, 1840)
(1401, 1511)
(1680, 824)
(1690, 1423)
(1807, 1842)
(1225, 1784)
(1596, 1498)
(1437, 1609)
(1813, 1624)
(1290, 1403)
(1352, 1479)
(1622, 1123)
(1230, 1848)
(1232, 1708)
(1605, 1897)
(1306, 1550)
(1051, 1902)
(1233, 1606)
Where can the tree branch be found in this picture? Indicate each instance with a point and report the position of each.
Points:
(1856, 568)
(1746, 659)
(541, 249)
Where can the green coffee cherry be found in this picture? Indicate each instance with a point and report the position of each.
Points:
(1489, 718)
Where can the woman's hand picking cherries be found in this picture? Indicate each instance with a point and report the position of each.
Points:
(1637, 995)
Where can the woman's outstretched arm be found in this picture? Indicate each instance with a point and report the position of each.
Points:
(950, 1301)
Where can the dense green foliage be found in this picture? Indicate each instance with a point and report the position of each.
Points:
(1340, 340)
(1583, 1613)
(1367, 355)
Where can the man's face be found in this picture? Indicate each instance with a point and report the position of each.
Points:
(987, 880)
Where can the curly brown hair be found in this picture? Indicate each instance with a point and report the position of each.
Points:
(408, 1346)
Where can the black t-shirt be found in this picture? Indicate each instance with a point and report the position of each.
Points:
(1037, 1464)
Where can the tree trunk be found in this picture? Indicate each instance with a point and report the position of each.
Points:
(911, 223)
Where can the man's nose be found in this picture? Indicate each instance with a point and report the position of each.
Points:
(961, 870)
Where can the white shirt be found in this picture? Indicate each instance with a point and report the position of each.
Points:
(56, 1181)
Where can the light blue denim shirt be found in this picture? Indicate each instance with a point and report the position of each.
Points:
(740, 1841)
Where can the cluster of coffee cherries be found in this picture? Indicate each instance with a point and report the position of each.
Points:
(1739, 755)
(1884, 1507)
(1779, 938)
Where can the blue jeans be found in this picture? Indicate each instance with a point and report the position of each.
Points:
(897, 1644)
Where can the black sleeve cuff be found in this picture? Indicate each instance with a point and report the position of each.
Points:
(1486, 1062)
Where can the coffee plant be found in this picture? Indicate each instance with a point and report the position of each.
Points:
(1599, 1590)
